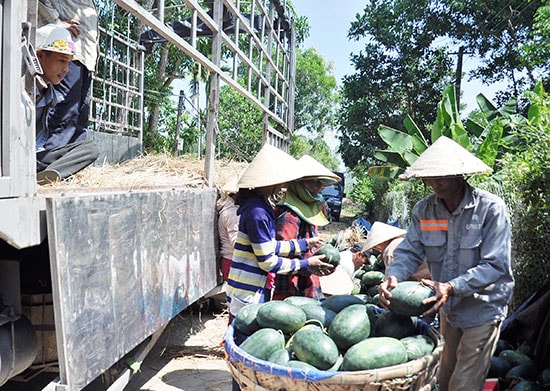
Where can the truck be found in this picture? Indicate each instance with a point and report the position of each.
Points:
(89, 277)
(334, 196)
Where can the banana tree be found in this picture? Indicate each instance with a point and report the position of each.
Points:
(404, 148)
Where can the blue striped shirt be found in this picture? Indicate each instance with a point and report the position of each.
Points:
(257, 252)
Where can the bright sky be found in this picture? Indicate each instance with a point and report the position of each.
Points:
(329, 24)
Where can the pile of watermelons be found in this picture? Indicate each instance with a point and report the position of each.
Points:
(368, 277)
(341, 333)
(515, 369)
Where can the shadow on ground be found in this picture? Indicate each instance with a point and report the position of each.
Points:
(188, 356)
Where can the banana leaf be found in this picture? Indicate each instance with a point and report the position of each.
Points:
(418, 141)
(459, 134)
(488, 150)
(474, 128)
(487, 108)
(397, 141)
(391, 157)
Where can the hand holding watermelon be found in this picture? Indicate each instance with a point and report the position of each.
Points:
(432, 299)
(384, 290)
(442, 292)
(314, 243)
(318, 266)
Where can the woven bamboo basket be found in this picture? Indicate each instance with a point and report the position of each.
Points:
(258, 375)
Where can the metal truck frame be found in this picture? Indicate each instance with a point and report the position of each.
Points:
(113, 267)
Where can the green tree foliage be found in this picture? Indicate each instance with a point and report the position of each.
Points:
(536, 51)
(317, 147)
(316, 97)
(363, 193)
(492, 31)
(399, 72)
(525, 176)
(239, 126)
(409, 46)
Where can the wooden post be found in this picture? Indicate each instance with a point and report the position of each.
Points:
(178, 144)
(458, 79)
(214, 98)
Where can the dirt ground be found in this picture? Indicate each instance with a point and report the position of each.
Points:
(189, 356)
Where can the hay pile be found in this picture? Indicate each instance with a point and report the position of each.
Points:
(147, 172)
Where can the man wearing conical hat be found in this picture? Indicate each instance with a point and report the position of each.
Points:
(298, 216)
(257, 252)
(385, 238)
(464, 235)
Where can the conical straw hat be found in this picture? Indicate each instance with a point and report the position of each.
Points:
(314, 169)
(271, 166)
(230, 186)
(444, 158)
(336, 283)
(381, 232)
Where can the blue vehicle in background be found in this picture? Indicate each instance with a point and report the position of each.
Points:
(334, 196)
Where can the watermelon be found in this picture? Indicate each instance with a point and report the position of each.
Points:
(499, 367)
(389, 324)
(338, 302)
(350, 326)
(407, 297)
(314, 347)
(372, 278)
(320, 313)
(332, 255)
(375, 352)
(282, 316)
(515, 358)
(299, 301)
(280, 356)
(245, 320)
(263, 343)
(418, 346)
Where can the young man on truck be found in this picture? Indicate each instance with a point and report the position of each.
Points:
(58, 156)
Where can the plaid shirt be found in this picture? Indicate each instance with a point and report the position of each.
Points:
(289, 226)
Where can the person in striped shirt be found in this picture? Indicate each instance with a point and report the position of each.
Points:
(256, 251)
(464, 235)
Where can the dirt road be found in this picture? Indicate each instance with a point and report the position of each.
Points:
(189, 356)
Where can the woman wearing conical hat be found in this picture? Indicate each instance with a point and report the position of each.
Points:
(298, 216)
(256, 251)
(464, 235)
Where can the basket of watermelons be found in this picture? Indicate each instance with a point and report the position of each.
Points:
(344, 343)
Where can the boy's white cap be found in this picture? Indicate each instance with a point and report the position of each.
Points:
(54, 38)
(380, 233)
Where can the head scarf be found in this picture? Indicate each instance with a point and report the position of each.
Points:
(298, 199)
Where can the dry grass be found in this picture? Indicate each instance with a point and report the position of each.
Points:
(148, 172)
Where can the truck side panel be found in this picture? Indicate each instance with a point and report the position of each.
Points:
(122, 266)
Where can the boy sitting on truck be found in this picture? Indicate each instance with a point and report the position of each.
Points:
(58, 154)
